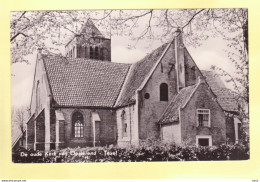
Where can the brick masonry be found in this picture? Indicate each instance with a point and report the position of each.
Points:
(142, 117)
(151, 109)
(30, 133)
(125, 139)
(40, 131)
(107, 128)
(203, 99)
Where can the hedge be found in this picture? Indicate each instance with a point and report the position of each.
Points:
(144, 153)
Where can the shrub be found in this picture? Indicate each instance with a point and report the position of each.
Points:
(152, 151)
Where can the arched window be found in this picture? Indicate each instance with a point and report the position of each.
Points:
(91, 51)
(96, 53)
(77, 124)
(163, 92)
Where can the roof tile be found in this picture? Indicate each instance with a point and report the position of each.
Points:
(83, 82)
(137, 74)
(171, 113)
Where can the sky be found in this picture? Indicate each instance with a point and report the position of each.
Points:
(211, 52)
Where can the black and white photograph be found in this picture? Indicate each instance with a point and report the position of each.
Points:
(129, 85)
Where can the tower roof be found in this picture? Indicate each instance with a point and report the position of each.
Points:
(90, 29)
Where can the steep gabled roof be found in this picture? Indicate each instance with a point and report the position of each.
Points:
(90, 29)
(137, 74)
(171, 114)
(225, 96)
(83, 82)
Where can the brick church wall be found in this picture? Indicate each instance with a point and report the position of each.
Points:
(40, 131)
(152, 109)
(30, 133)
(107, 127)
(191, 70)
(125, 139)
(203, 99)
(171, 133)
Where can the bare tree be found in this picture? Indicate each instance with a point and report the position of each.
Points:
(19, 117)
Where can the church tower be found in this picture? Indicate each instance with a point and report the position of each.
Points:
(89, 43)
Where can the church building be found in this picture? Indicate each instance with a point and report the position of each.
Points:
(84, 99)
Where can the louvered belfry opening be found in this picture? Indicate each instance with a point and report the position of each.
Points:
(89, 43)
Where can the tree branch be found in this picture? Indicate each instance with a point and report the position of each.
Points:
(12, 38)
(192, 18)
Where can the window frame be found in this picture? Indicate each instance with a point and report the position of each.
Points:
(209, 117)
(209, 137)
(78, 129)
(164, 90)
(96, 54)
(124, 124)
(81, 127)
(91, 52)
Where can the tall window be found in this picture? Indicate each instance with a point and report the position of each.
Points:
(124, 124)
(96, 53)
(86, 52)
(203, 117)
(163, 92)
(78, 51)
(77, 124)
(91, 51)
(102, 53)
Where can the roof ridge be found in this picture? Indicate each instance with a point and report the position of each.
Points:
(83, 59)
(149, 54)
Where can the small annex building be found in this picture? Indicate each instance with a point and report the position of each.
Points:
(84, 99)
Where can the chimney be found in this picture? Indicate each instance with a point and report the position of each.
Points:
(179, 57)
(201, 79)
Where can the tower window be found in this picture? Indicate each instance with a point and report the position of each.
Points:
(91, 52)
(86, 52)
(96, 53)
(102, 53)
(163, 92)
(78, 51)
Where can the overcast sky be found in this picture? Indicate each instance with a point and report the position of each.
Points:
(211, 52)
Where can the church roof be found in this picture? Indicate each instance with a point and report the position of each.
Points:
(137, 75)
(93, 83)
(171, 114)
(84, 82)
